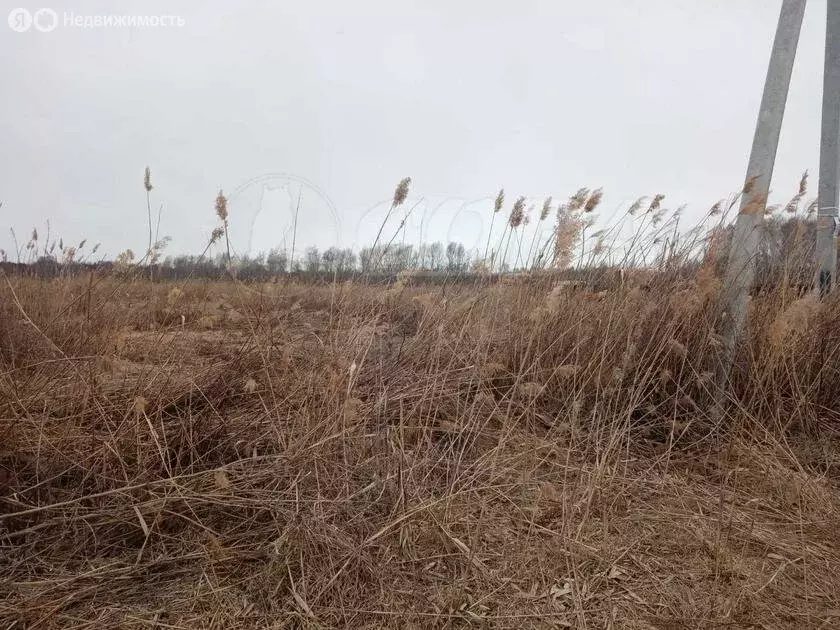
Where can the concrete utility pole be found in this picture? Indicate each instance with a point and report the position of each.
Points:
(740, 272)
(829, 154)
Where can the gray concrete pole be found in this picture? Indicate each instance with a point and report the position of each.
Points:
(740, 272)
(829, 154)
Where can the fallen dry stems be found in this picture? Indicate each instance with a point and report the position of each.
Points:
(524, 454)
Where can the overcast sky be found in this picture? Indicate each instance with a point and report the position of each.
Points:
(336, 101)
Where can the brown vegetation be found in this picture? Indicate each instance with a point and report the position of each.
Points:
(509, 455)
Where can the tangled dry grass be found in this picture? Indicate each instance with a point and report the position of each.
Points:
(522, 455)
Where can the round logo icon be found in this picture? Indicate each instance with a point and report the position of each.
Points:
(45, 20)
(20, 20)
(281, 211)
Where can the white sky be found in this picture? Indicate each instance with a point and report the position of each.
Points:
(346, 98)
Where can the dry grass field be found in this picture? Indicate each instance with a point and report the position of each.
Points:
(516, 455)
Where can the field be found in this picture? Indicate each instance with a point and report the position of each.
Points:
(526, 454)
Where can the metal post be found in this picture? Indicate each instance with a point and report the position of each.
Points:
(740, 272)
(829, 154)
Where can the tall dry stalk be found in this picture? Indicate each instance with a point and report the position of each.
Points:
(147, 184)
(569, 226)
(17, 247)
(544, 212)
(520, 236)
(653, 210)
(222, 213)
(294, 229)
(517, 214)
(497, 207)
(401, 227)
(400, 195)
(592, 202)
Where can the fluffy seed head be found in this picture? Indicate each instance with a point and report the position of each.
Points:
(500, 200)
(401, 192)
(518, 213)
(578, 200)
(755, 205)
(147, 180)
(594, 200)
(792, 206)
(567, 235)
(656, 203)
(221, 207)
(545, 209)
(125, 257)
(635, 206)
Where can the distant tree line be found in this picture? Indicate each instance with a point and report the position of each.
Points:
(786, 254)
(382, 260)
